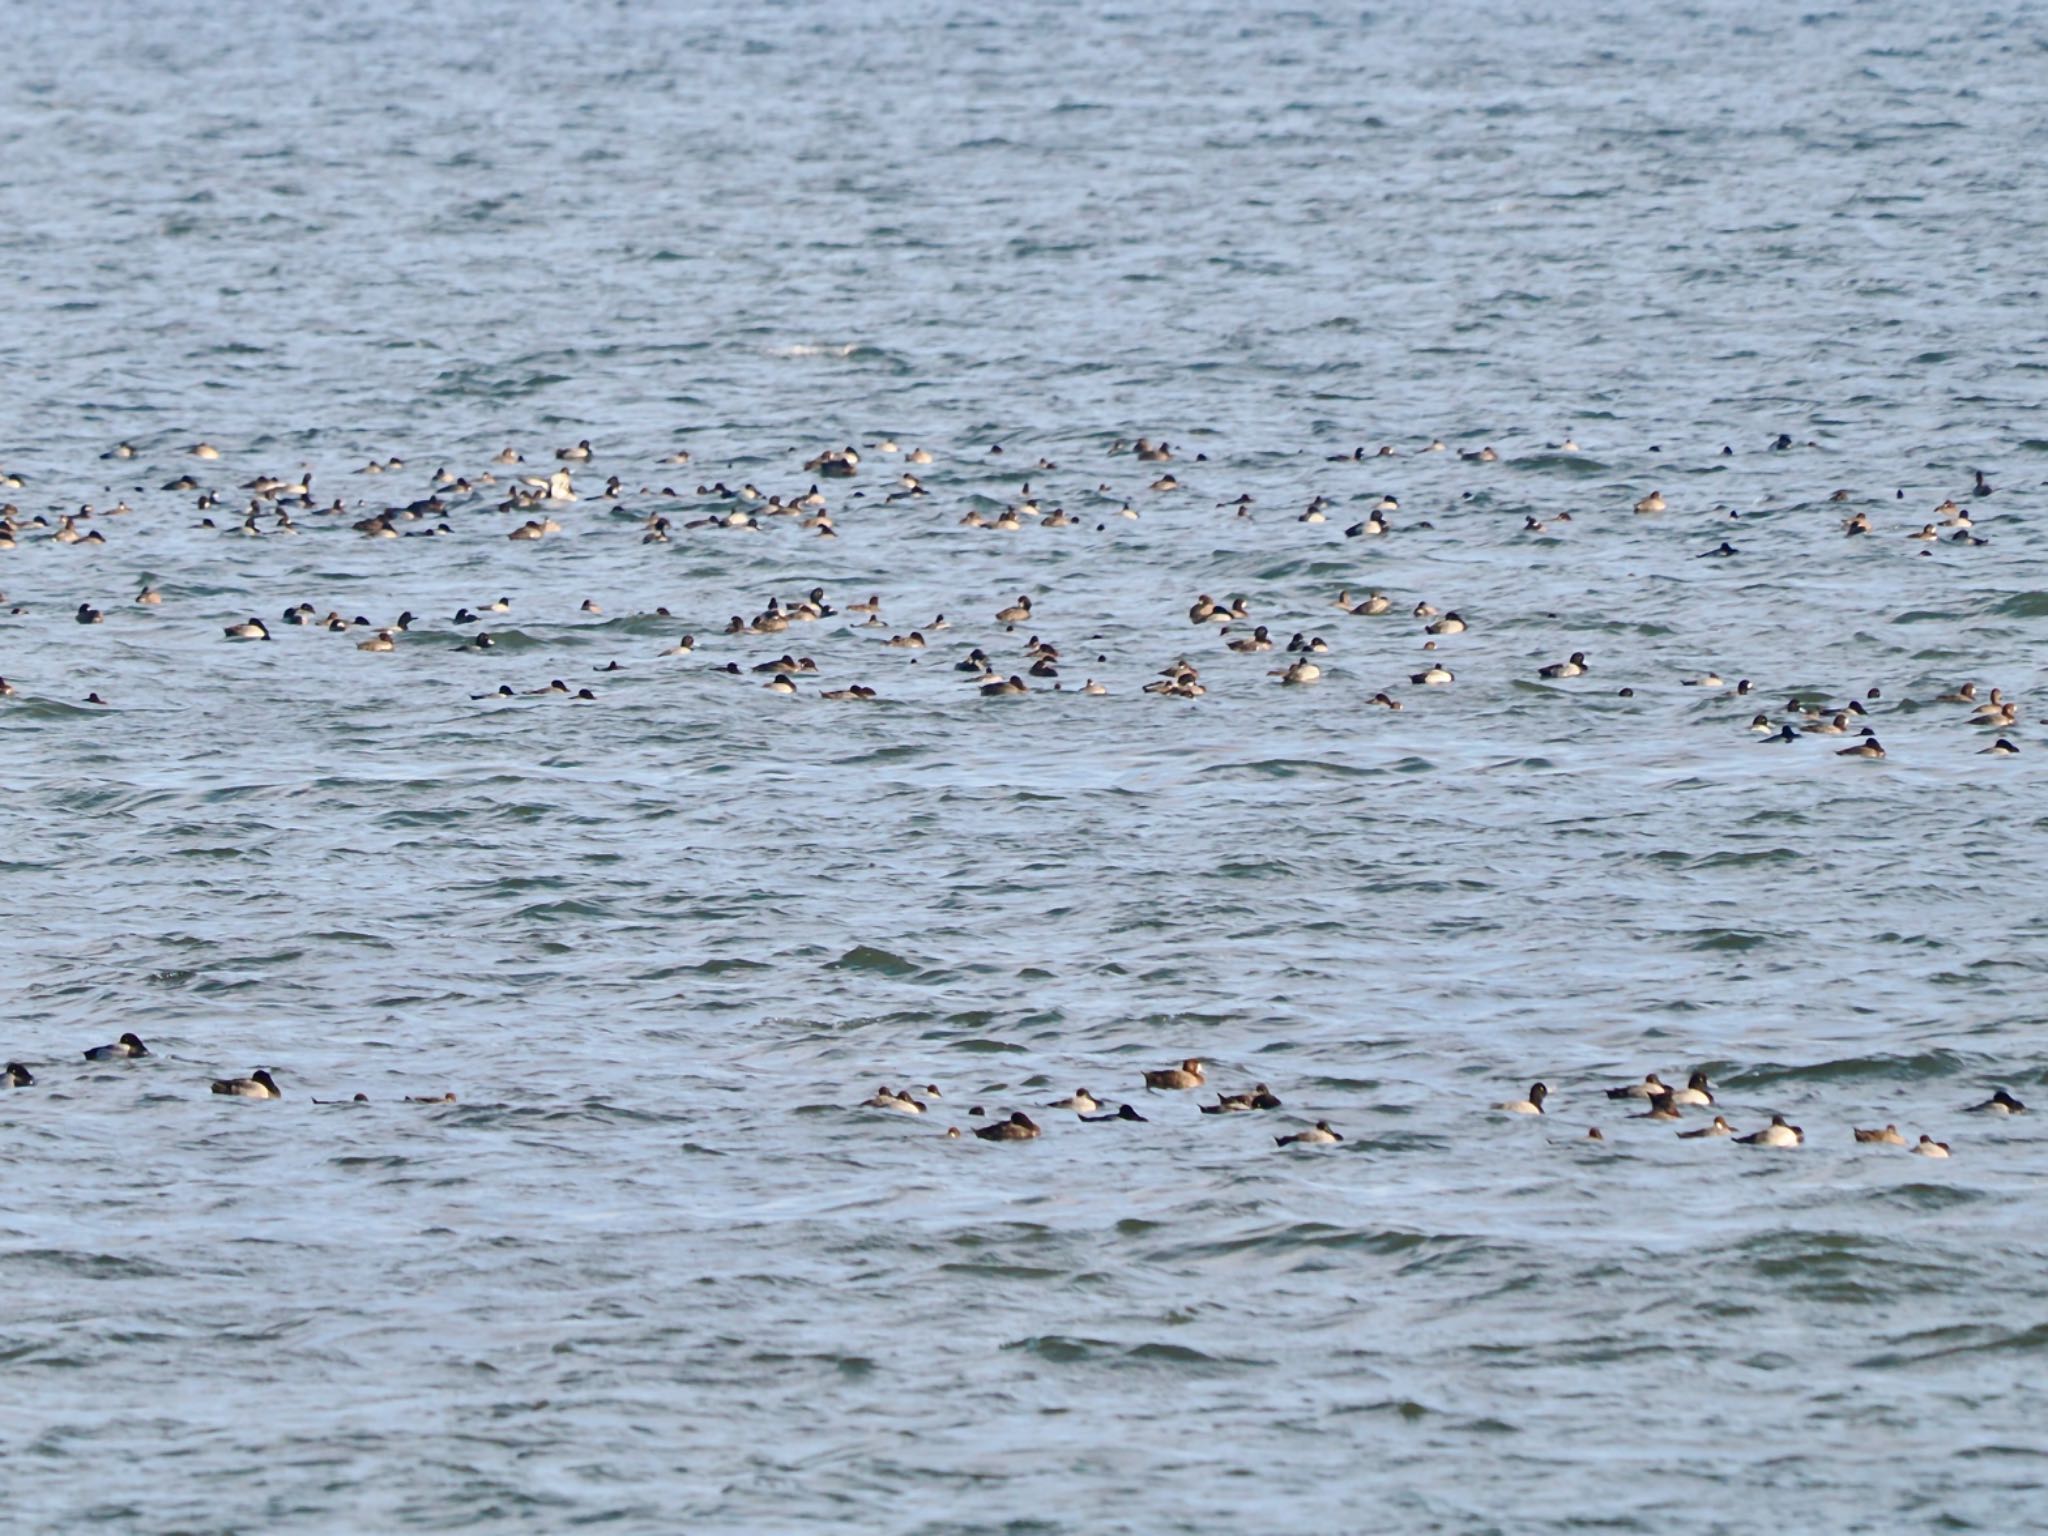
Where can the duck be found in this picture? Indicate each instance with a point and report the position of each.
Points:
(1868, 747)
(1375, 603)
(2000, 748)
(1301, 672)
(1661, 1108)
(1004, 687)
(257, 1085)
(2000, 1103)
(1257, 640)
(887, 1098)
(1888, 1137)
(1386, 701)
(1080, 1099)
(383, 640)
(18, 1076)
(1187, 1075)
(1760, 723)
(1018, 612)
(1321, 1134)
(1927, 1146)
(1532, 1105)
(1696, 1091)
(1649, 1088)
(577, 455)
(1654, 502)
(1720, 1127)
(1575, 667)
(1967, 694)
(87, 614)
(1777, 1134)
(1019, 1127)
(1260, 1097)
(1450, 624)
(1434, 675)
(914, 641)
(1124, 1112)
(127, 1045)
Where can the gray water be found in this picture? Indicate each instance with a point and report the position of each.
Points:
(655, 1267)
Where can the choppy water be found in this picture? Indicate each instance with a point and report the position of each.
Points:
(653, 1268)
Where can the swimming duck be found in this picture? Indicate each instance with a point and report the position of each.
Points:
(1318, 1135)
(1434, 675)
(1888, 1137)
(1018, 612)
(1257, 640)
(1777, 1134)
(781, 685)
(1649, 1088)
(1375, 603)
(1575, 667)
(257, 1085)
(1866, 748)
(914, 641)
(1654, 502)
(1695, 1091)
(1967, 694)
(2000, 1103)
(1449, 624)
(1927, 1146)
(1720, 1127)
(1124, 1112)
(18, 1076)
(1080, 1099)
(87, 614)
(1187, 1075)
(127, 1045)
(1386, 701)
(901, 1103)
(383, 640)
(2000, 748)
(1260, 1097)
(1661, 1108)
(577, 455)
(1303, 671)
(1004, 688)
(1761, 723)
(1532, 1105)
(1019, 1127)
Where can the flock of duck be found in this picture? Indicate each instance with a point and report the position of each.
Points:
(259, 1084)
(1662, 1104)
(276, 504)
